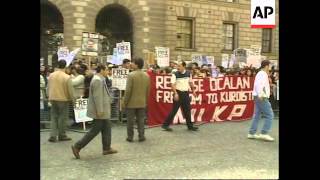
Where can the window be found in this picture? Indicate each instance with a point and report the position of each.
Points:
(229, 36)
(266, 40)
(185, 33)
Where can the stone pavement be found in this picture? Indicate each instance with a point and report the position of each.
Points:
(218, 150)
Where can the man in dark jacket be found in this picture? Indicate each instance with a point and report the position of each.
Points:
(135, 98)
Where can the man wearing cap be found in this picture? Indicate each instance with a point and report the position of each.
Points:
(180, 82)
(261, 93)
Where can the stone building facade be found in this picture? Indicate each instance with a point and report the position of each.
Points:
(156, 23)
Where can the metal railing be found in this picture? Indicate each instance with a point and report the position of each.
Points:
(116, 114)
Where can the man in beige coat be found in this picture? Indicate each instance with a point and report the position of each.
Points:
(135, 99)
(98, 108)
(60, 95)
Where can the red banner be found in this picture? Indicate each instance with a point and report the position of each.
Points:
(218, 99)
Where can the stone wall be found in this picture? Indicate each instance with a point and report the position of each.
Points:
(154, 24)
(209, 17)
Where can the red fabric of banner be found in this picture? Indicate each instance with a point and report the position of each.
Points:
(221, 99)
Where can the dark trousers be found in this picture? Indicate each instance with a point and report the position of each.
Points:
(184, 103)
(138, 114)
(98, 125)
(59, 118)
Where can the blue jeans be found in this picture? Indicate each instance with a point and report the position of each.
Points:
(262, 107)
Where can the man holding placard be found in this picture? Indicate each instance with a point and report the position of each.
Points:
(99, 109)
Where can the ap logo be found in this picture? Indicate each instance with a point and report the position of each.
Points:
(263, 13)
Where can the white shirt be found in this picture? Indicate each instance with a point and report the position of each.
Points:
(261, 87)
(182, 83)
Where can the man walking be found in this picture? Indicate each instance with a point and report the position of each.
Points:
(99, 103)
(135, 99)
(261, 93)
(180, 82)
(60, 95)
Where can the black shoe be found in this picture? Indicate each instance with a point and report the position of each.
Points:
(142, 139)
(64, 138)
(52, 139)
(110, 151)
(75, 152)
(193, 128)
(166, 128)
(129, 140)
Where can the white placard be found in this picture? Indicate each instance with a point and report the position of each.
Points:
(109, 58)
(90, 42)
(240, 56)
(255, 61)
(240, 52)
(123, 51)
(119, 78)
(210, 60)
(232, 60)
(242, 64)
(162, 56)
(71, 56)
(197, 58)
(225, 60)
(63, 53)
(80, 110)
(115, 59)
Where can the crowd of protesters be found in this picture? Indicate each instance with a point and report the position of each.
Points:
(60, 87)
(81, 74)
(207, 71)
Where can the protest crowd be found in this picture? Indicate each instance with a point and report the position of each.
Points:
(207, 71)
(82, 75)
(80, 80)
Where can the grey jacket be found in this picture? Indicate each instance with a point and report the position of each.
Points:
(99, 98)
